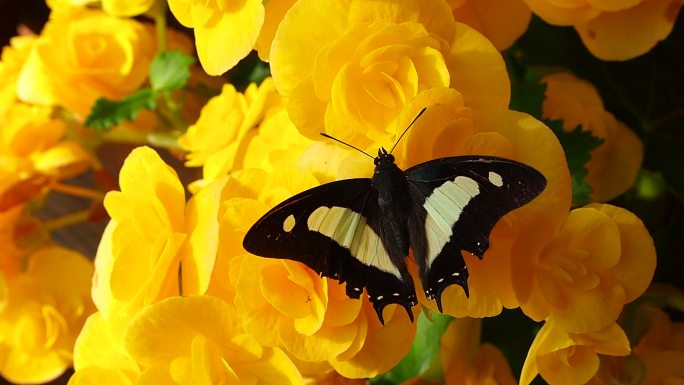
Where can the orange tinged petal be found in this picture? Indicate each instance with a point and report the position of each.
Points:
(637, 262)
(501, 26)
(557, 13)
(613, 36)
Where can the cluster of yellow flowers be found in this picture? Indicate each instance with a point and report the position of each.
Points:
(175, 297)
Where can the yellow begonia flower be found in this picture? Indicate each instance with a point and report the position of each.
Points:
(152, 237)
(44, 310)
(581, 273)
(502, 23)
(33, 153)
(242, 130)
(13, 57)
(602, 24)
(449, 128)
(614, 165)
(466, 361)
(284, 303)
(567, 358)
(350, 67)
(83, 54)
(195, 339)
(225, 31)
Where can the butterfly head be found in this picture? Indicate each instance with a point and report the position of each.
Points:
(384, 159)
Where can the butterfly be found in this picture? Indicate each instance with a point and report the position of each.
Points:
(359, 231)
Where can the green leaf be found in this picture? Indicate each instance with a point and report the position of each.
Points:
(424, 357)
(527, 92)
(107, 113)
(578, 146)
(170, 70)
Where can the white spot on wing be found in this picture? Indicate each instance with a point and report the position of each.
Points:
(444, 206)
(350, 230)
(495, 179)
(289, 223)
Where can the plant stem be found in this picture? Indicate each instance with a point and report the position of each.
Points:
(78, 191)
(67, 220)
(159, 12)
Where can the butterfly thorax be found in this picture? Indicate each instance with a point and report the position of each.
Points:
(390, 183)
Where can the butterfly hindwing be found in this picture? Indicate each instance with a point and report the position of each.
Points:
(456, 203)
(335, 229)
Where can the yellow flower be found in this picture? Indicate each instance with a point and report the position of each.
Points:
(449, 128)
(502, 23)
(83, 54)
(33, 153)
(184, 340)
(601, 24)
(349, 68)
(284, 303)
(581, 273)
(466, 361)
(225, 32)
(13, 58)
(614, 164)
(561, 357)
(43, 312)
(154, 245)
(237, 130)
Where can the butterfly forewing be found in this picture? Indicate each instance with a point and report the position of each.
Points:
(335, 229)
(456, 202)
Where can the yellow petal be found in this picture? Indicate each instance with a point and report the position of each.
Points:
(637, 262)
(292, 56)
(556, 13)
(99, 346)
(221, 44)
(383, 347)
(500, 25)
(99, 376)
(274, 13)
(203, 219)
(649, 23)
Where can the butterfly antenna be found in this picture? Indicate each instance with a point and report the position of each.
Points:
(347, 144)
(407, 128)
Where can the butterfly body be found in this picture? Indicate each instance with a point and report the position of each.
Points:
(359, 231)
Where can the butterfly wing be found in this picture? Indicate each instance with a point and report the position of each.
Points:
(456, 203)
(335, 229)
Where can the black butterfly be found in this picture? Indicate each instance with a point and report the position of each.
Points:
(359, 231)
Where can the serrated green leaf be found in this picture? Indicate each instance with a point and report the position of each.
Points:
(527, 91)
(578, 146)
(107, 113)
(424, 355)
(170, 70)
